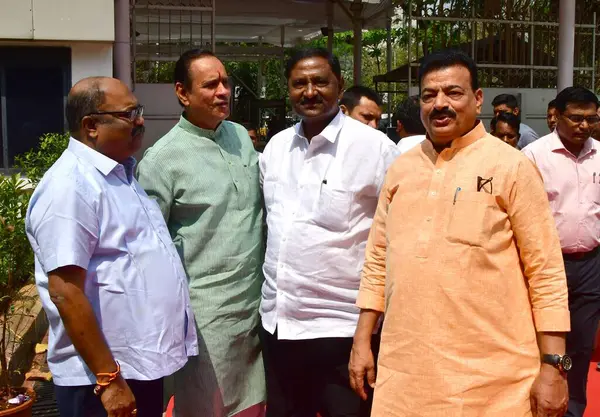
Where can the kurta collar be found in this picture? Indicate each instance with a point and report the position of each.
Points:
(101, 162)
(330, 132)
(471, 137)
(189, 127)
(556, 145)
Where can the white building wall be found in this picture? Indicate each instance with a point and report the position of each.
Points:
(161, 111)
(91, 59)
(16, 19)
(83, 20)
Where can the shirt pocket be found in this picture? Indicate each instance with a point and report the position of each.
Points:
(468, 218)
(332, 210)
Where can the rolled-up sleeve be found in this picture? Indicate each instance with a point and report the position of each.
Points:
(539, 248)
(371, 295)
(62, 226)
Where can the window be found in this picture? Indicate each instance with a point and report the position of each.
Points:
(34, 83)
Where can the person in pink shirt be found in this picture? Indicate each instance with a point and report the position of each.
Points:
(569, 162)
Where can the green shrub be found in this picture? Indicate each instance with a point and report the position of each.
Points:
(36, 162)
(16, 255)
(16, 263)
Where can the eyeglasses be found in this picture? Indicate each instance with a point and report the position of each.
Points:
(577, 118)
(132, 115)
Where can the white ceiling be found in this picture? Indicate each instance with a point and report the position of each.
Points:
(246, 20)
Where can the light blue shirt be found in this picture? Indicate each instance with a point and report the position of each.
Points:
(528, 136)
(89, 211)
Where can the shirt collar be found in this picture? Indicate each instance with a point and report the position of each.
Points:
(189, 127)
(330, 132)
(101, 162)
(556, 145)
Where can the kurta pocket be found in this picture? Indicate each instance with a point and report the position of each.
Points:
(467, 221)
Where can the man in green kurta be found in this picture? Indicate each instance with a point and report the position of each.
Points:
(204, 176)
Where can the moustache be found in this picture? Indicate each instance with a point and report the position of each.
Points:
(316, 100)
(138, 130)
(444, 113)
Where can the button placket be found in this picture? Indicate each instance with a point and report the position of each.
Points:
(426, 230)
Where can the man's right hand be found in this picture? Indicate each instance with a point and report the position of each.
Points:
(361, 364)
(117, 399)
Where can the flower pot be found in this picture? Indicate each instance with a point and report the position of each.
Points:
(22, 410)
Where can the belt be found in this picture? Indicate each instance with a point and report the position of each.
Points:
(578, 256)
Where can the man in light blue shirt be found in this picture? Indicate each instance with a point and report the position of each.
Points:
(109, 277)
(507, 103)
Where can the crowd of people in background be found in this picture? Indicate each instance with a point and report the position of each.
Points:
(335, 272)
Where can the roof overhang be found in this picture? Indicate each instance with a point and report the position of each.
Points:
(247, 21)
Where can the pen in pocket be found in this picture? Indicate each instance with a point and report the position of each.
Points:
(456, 194)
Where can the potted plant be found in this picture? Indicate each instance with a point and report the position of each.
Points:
(17, 290)
(16, 272)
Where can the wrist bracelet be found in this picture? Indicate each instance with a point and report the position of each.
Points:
(100, 386)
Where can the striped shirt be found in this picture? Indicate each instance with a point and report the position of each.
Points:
(206, 184)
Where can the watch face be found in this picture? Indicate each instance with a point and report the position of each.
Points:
(567, 363)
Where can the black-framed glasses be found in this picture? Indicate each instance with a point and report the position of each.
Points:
(132, 115)
(578, 118)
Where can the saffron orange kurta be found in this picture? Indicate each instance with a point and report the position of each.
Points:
(465, 279)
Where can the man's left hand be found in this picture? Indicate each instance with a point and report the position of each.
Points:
(549, 394)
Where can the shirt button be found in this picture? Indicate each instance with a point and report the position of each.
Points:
(433, 193)
(438, 171)
(428, 219)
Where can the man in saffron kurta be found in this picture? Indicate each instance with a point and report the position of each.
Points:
(464, 259)
(205, 178)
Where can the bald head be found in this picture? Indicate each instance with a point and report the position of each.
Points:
(86, 97)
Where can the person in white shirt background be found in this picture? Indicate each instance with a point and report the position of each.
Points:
(321, 180)
(409, 127)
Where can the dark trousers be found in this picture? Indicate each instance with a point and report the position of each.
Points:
(309, 376)
(583, 279)
(80, 401)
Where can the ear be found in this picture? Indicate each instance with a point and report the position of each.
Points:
(344, 109)
(516, 111)
(342, 84)
(89, 127)
(479, 99)
(181, 94)
(399, 127)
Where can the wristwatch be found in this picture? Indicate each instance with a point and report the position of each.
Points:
(563, 363)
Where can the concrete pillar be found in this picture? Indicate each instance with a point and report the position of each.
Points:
(122, 49)
(330, 25)
(357, 8)
(282, 34)
(259, 77)
(566, 43)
